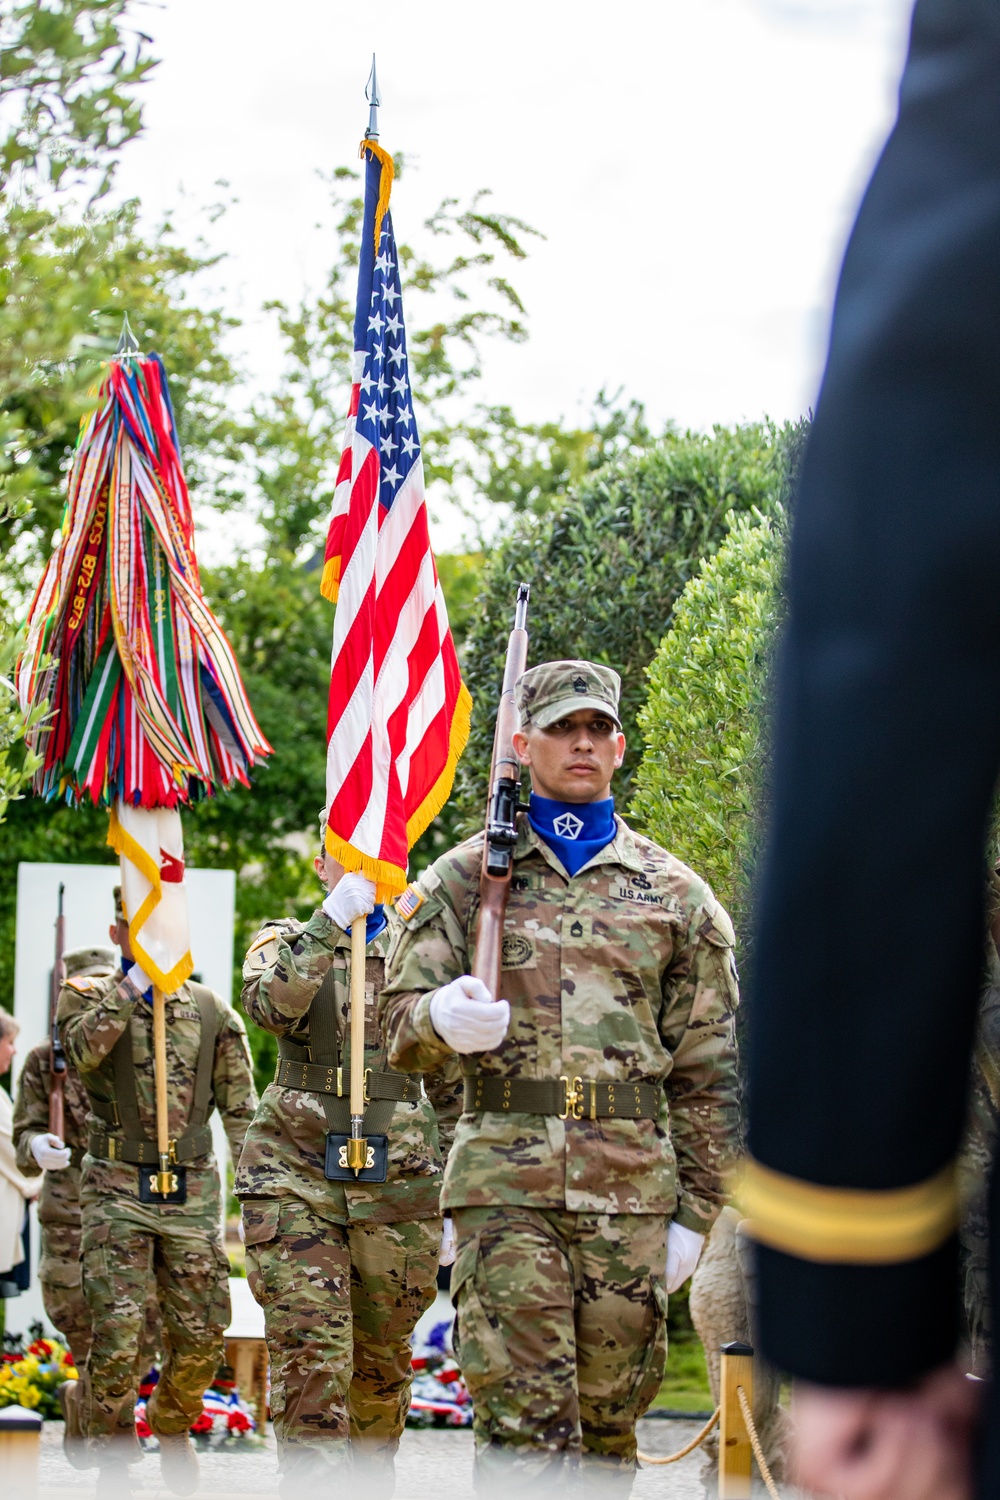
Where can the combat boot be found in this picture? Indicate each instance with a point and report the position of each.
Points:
(178, 1462)
(374, 1471)
(75, 1445)
(114, 1482)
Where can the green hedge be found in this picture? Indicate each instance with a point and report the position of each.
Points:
(605, 570)
(700, 788)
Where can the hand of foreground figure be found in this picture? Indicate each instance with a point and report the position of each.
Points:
(465, 1015)
(887, 1445)
(50, 1152)
(352, 896)
(684, 1247)
(448, 1251)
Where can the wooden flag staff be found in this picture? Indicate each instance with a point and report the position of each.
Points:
(164, 1181)
(358, 1150)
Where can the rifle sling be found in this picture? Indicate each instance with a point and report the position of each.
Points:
(579, 1098)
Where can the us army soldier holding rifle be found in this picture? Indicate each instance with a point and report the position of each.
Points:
(599, 1095)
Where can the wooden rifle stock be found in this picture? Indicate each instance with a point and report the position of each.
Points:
(501, 810)
(57, 1057)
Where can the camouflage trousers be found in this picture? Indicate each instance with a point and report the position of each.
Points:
(61, 1278)
(123, 1246)
(340, 1303)
(561, 1338)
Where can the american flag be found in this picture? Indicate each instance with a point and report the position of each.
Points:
(399, 712)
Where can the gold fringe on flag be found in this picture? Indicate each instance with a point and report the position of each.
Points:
(385, 183)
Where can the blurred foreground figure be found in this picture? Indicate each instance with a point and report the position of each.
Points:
(887, 751)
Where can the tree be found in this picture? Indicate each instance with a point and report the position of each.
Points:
(699, 789)
(606, 567)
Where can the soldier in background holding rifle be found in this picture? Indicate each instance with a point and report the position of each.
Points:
(50, 1136)
(599, 1091)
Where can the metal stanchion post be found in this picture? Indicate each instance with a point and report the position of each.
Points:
(735, 1451)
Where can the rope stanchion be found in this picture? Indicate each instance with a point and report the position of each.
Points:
(673, 1458)
(735, 1452)
(758, 1452)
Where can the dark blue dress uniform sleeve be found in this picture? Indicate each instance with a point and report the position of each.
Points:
(887, 748)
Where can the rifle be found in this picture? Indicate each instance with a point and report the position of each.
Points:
(501, 811)
(57, 1057)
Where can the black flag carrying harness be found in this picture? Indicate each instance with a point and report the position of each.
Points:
(320, 1068)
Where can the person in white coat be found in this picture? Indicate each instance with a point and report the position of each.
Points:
(15, 1189)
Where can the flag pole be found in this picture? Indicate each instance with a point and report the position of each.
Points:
(357, 1145)
(164, 1181)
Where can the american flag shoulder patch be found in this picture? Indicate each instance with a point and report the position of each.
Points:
(410, 902)
(83, 982)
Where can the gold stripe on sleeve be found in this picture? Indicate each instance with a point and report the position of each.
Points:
(847, 1226)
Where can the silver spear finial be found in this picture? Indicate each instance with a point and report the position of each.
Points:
(374, 100)
(127, 341)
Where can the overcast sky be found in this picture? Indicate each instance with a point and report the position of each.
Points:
(695, 168)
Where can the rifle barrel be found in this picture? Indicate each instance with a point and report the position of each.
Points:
(501, 809)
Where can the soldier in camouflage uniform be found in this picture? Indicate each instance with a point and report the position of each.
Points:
(59, 1199)
(106, 1025)
(343, 1270)
(601, 1105)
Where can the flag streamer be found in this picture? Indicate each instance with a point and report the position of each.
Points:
(399, 713)
(148, 707)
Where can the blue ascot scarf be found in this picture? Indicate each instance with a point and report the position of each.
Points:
(375, 923)
(575, 831)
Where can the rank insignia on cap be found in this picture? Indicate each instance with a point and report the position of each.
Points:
(579, 684)
(409, 902)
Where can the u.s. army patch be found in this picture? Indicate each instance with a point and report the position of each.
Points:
(410, 902)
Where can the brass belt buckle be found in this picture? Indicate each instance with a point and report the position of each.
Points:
(366, 1096)
(574, 1098)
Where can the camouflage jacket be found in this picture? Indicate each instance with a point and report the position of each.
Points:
(285, 1146)
(59, 1199)
(622, 972)
(94, 1012)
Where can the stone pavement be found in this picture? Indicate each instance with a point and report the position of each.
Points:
(430, 1462)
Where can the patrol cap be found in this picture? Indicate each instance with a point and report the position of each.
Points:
(119, 905)
(91, 960)
(547, 692)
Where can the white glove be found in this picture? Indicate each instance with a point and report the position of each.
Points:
(140, 978)
(352, 896)
(466, 1016)
(684, 1247)
(448, 1251)
(50, 1153)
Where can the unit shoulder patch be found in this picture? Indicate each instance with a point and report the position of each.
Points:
(266, 935)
